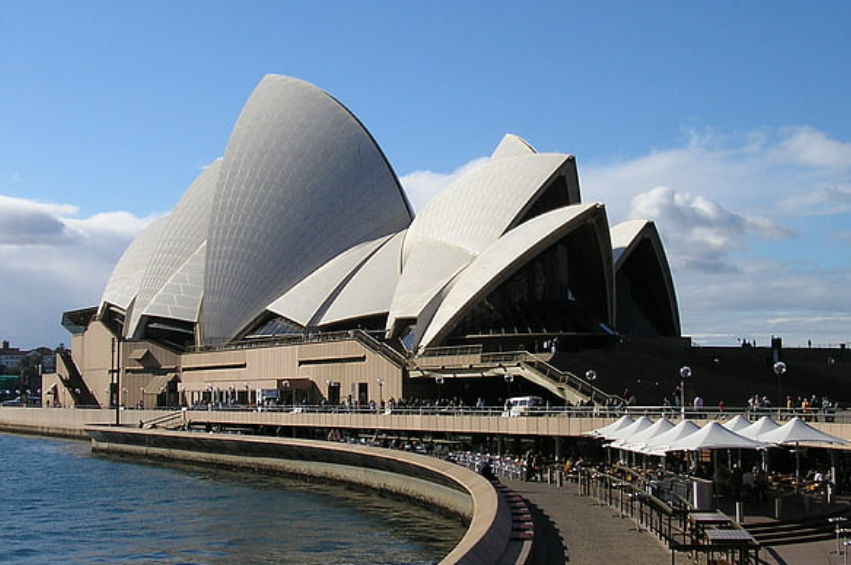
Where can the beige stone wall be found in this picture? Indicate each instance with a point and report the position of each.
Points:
(310, 369)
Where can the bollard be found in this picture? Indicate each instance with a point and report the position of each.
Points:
(778, 509)
(837, 521)
(740, 512)
(560, 479)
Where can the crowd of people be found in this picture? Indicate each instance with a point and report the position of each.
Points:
(532, 466)
(808, 407)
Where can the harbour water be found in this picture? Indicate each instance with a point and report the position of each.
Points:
(59, 503)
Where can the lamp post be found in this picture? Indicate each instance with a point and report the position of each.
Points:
(286, 388)
(380, 382)
(115, 369)
(685, 374)
(509, 378)
(779, 370)
(590, 377)
(439, 380)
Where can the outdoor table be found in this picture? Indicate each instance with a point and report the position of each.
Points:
(736, 543)
(700, 521)
(728, 536)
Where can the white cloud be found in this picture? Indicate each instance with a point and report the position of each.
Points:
(812, 148)
(422, 186)
(52, 261)
(700, 233)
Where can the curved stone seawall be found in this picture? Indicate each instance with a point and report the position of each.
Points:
(425, 479)
(62, 422)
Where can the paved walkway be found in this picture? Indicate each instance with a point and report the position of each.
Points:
(577, 530)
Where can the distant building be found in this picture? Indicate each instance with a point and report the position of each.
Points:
(293, 270)
(11, 357)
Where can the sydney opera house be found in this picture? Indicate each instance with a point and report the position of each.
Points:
(294, 270)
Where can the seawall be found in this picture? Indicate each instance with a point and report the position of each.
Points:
(489, 538)
(487, 541)
(63, 422)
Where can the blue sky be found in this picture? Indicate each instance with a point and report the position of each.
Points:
(727, 123)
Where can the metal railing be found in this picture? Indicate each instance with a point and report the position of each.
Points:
(654, 412)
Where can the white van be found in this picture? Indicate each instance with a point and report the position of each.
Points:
(522, 406)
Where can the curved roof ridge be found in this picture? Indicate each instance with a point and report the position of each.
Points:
(180, 298)
(301, 302)
(482, 205)
(627, 238)
(183, 232)
(369, 290)
(126, 277)
(504, 257)
(512, 145)
(307, 173)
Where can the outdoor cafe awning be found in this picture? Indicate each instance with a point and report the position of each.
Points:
(685, 436)
(715, 436)
(638, 441)
(798, 431)
(618, 424)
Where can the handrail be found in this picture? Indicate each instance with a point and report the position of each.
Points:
(162, 419)
(380, 347)
(451, 350)
(74, 382)
(595, 395)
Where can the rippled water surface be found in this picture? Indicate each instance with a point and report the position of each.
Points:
(61, 504)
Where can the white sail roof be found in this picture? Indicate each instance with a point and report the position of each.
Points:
(502, 258)
(798, 431)
(605, 431)
(714, 436)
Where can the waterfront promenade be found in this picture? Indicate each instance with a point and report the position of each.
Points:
(578, 530)
(573, 529)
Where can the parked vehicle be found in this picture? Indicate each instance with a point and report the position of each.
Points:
(522, 406)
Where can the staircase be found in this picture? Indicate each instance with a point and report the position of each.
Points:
(73, 382)
(788, 532)
(567, 385)
(529, 366)
(172, 421)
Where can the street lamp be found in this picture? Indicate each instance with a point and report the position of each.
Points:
(590, 377)
(685, 373)
(779, 370)
(509, 378)
(380, 382)
(439, 380)
(286, 388)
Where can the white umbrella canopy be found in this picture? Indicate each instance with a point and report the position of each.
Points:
(638, 441)
(657, 445)
(737, 423)
(714, 436)
(798, 431)
(632, 429)
(618, 424)
(759, 428)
